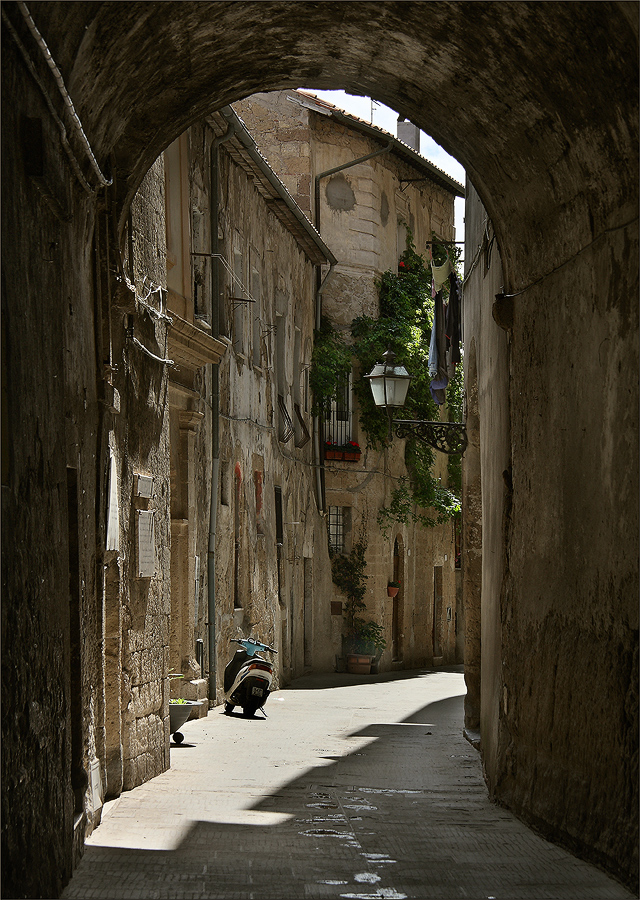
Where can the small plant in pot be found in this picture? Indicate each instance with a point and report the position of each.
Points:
(179, 712)
(362, 638)
(392, 588)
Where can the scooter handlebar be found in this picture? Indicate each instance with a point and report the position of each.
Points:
(257, 644)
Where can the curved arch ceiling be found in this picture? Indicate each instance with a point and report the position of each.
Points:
(538, 101)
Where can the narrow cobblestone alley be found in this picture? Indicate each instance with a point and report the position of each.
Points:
(353, 787)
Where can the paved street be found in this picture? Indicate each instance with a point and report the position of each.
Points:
(356, 787)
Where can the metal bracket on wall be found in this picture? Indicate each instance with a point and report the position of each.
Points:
(447, 437)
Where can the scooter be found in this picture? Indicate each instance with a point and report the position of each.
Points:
(247, 677)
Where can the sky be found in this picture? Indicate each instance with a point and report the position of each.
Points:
(386, 118)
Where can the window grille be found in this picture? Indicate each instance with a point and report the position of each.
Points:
(302, 432)
(335, 525)
(337, 414)
(286, 425)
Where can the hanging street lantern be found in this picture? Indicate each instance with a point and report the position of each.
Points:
(389, 385)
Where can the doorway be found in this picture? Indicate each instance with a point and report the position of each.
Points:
(397, 614)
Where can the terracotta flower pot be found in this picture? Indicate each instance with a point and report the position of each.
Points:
(358, 664)
(392, 591)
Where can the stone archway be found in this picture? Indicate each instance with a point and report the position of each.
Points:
(517, 92)
(539, 103)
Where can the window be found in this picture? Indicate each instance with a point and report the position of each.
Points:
(286, 428)
(279, 523)
(300, 426)
(338, 521)
(258, 478)
(198, 262)
(238, 301)
(256, 313)
(337, 420)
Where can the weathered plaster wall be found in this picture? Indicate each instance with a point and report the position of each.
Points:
(550, 601)
(363, 214)
(360, 207)
(281, 128)
(142, 435)
(249, 442)
(564, 600)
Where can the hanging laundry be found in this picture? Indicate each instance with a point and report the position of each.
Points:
(440, 378)
(440, 273)
(433, 352)
(453, 318)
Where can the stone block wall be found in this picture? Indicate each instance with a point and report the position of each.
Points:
(555, 665)
(141, 447)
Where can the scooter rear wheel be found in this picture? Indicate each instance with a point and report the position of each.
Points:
(250, 709)
(228, 708)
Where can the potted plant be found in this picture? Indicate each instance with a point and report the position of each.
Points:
(179, 712)
(363, 640)
(392, 588)
(332, 450)
(352, 451)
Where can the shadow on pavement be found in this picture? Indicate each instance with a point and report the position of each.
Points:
(325, 680)
(405, 815)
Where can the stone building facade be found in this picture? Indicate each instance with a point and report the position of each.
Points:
(363, 211)
(246, 273)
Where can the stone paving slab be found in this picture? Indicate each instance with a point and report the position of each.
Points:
(354, 787)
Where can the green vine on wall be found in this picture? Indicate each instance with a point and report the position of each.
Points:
(331, 363)
(404, 325)
(348, 573)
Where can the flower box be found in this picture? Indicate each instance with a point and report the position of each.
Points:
(345, 453)
(358, 665)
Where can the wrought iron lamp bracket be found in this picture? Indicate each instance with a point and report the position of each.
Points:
(447, 437)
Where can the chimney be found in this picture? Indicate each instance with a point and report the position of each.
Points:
(409, 133)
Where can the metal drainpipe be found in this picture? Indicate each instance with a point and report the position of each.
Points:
(215, 418)
(316, 419)
(321, 286)
(354, 162)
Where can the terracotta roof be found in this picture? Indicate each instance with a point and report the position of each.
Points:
(404, 150)
(243, 150)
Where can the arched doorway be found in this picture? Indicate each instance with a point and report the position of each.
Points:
(397, 612)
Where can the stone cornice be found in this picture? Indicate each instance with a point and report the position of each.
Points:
(191, 348)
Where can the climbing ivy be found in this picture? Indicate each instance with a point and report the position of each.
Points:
(348, 573)
(330, 364)
(404, 325)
